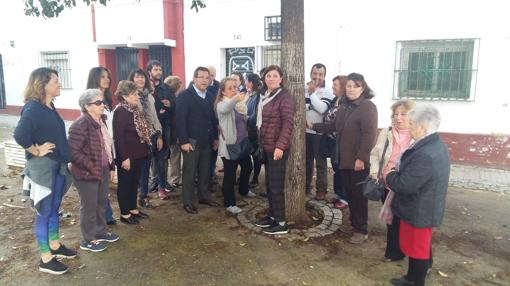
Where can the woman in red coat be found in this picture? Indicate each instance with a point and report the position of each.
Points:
(275, 121)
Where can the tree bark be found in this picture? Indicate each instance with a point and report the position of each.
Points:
(292, 24)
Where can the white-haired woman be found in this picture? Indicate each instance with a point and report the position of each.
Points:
(420, 183)
(92, 160)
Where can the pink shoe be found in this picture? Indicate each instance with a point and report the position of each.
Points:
(163, 195)
(341, 205)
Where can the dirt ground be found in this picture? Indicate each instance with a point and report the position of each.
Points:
(472, 247)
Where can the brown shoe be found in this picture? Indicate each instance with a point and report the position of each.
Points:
(191, 209)
(320, 196)
(358, 238)
(345, 228)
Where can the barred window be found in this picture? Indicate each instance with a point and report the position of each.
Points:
(273, 28)
(59, 61)
(271, 55)
(436, 69)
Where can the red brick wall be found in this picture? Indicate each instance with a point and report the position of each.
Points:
(491, 151)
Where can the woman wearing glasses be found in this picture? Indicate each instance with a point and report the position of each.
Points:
(92, 161)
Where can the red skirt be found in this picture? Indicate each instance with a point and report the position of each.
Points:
(415, 242)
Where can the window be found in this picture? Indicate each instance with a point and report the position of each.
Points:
(436, 69)
(273, 28)
(271, 55)
(58, 61)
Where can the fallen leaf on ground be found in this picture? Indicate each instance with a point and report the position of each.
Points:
(442, 274)
(242, 244)
(3, 187)
(306, 238)
(498, 237)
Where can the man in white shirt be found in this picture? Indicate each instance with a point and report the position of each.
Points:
(318, 99)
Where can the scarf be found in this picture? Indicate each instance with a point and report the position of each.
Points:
(107, 141)
(143, 128)
(401, 141)
(265, 99)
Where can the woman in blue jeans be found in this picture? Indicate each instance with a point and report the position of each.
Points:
(41, 132)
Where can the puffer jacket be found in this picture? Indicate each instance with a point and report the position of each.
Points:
(86, 148)
(421, 183)
(277, 122)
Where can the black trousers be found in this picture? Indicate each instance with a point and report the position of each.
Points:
(257, 165)
(393, 251)
(229, 177)
(417, 269)
(128, 185)
(275, 185)
(358, 204)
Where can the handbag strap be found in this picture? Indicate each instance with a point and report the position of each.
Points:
(383, 153)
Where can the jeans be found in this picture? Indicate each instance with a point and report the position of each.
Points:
(161, 161)
(108, 214)
(144, 177)
(229, 177)
(47, 219)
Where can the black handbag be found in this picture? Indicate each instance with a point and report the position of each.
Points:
(239, 150)
(373, 189)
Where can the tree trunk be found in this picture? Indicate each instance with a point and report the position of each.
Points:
(292, 14)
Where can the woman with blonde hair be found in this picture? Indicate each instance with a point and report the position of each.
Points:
(396, 139)
(231, 110)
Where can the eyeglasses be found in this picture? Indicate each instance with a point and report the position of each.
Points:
(97, 103)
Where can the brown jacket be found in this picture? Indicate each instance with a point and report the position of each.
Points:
(86, 148)
(277, 122)
(356, 127)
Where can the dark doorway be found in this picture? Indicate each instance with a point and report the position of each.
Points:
(2, 85)
(164, 55)
(127, 60)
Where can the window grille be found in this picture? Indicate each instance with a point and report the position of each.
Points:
(436, 69)
(273, 28)
(271, 55)
(59, 61)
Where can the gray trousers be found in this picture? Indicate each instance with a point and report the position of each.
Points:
(312, 154)
(93, 199)
(196, 162)
(174, 172)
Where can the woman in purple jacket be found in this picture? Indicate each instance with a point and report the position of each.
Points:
(132, 136)
(92, 161)
(275, 119)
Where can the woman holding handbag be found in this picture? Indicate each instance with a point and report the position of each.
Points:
(396, 139)
(231, 110)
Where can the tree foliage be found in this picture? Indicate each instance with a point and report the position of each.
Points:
(53, 8)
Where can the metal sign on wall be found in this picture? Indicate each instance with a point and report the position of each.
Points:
(240, 60)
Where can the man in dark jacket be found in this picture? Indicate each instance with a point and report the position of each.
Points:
(164, 110)
(198, 134)
(420, 185)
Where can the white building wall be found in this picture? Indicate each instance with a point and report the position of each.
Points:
(71, 31)
(361, 37)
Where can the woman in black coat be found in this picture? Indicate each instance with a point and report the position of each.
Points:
(420, 183)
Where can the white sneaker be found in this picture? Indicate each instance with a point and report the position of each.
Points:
(250, 194)
(234, 209)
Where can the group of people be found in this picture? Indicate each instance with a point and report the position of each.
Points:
(247, 123)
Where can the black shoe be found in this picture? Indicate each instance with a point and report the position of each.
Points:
(63, 252)
(170, 187)
(53, 267)
(154, 187)
(145, 203)
(254, 184)
(402, 281)
(129, 220)
(140, 215)
(191, 209)
(277, 229)
(265, 222)
(111, 222)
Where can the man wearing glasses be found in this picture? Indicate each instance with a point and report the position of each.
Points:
(198, 134)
